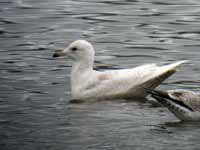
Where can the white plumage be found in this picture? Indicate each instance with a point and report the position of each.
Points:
(88, 83)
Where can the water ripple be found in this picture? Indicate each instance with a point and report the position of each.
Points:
(35, 112)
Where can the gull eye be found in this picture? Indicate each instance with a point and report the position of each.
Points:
(74, 49)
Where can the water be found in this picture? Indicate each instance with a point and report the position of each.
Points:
(35, 112)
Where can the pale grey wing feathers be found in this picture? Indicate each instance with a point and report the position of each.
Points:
(118, 82)
(133, 81)
(159, 76)
(153, 82)
(125, 83)
(189, 98)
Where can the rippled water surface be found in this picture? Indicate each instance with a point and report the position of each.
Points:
(35, 112)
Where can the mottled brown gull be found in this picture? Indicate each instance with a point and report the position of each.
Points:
(88, 83)
(184, 104)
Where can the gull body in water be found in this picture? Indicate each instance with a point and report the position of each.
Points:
(87, 83)
(184, 104)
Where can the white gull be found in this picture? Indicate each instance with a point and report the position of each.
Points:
(184, 104)
(88, 83)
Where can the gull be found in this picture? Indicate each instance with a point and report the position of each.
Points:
(87, 83)
(184, 104)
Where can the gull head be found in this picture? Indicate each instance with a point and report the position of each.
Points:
(77, 50)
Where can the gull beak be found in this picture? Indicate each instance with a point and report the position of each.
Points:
(59, 53)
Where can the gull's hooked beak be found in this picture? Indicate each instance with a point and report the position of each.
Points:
(59, 53)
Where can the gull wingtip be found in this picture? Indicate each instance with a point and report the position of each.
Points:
(184, 61)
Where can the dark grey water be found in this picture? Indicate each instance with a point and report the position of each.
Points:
(35, 112)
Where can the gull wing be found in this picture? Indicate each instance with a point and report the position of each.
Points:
(125, 83)
(131, 82)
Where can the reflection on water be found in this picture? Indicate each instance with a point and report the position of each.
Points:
(35, 112)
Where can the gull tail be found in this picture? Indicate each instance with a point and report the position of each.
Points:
(177, 107)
